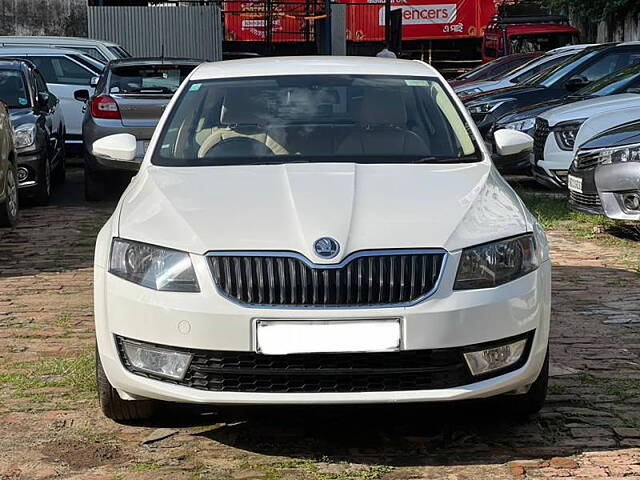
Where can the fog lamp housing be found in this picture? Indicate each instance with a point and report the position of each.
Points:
(631, 201)
(158, 361)
(494, 358)
(23, 174)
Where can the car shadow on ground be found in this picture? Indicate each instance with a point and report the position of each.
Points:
(469, 432)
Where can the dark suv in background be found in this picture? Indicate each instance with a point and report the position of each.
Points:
(39, 128)
(130, 97)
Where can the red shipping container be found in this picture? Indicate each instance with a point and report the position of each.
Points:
(421, 19)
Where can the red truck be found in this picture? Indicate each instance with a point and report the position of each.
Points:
(520, 27)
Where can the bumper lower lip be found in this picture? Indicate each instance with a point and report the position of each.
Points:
(542, 177)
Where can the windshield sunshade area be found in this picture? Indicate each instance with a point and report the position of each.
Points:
(315, 118)
(13, 90)
(148, 79)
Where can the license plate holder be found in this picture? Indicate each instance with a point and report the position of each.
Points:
(574, 183)
(283, 337)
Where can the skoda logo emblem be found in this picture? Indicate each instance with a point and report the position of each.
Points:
(326, 247)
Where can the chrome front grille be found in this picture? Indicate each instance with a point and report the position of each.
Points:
(363, 279)
(586, 160)
(540, 135)
(590, 201)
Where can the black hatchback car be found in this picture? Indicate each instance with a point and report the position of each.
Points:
(587, 66)
(604, 178)
(38, 125)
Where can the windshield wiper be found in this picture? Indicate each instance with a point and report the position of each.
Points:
(463, 159)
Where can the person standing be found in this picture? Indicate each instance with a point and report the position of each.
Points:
(385, 52)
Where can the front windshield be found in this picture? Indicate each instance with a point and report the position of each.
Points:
(13, 90)
(314, 118)
(550, 76)
(614, 83)
(540, 42)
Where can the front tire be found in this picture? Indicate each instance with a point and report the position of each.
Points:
(114, 407)
(9, 209)
(532, 402)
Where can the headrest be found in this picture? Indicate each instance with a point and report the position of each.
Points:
(381, 106)
(242, 108)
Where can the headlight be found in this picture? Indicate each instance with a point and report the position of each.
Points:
(626, 153)
(24, 136)
(493, 264)
(566, 134)
(521, 125)
(483, 108)
(153, 267)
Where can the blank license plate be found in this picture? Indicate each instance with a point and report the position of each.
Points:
(277, 337)
(574, 184)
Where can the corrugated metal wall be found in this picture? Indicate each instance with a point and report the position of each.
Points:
(193, 31)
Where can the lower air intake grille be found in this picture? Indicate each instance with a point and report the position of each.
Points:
(364, 279)
(540, 135)
(228, 371)
(590, 201)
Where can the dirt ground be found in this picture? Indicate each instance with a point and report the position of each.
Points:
(52, 428)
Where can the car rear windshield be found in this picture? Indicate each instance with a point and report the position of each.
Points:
(148, 79)
(13, 90)
(315, 118)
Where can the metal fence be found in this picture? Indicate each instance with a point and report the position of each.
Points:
(193, 31)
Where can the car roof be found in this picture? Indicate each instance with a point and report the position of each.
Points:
(26, 50)
(154, 61)
(51, 38)
(312, 65)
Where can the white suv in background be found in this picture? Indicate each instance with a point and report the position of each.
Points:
(555, 134)
(319, 230)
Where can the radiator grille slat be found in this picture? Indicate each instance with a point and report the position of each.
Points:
(540, 135)
(365, 279)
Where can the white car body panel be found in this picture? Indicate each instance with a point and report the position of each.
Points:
(287, 207)
(557, 159)
(601, 122)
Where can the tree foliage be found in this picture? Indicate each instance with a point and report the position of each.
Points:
(596, 9)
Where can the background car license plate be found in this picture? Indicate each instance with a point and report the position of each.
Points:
(276, 337)
(575, 184)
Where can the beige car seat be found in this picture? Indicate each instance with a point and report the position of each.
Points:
(241, 116)
(383, 128)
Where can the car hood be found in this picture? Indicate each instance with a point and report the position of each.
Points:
(20, 116)
(590, 107)
(516, 91)
(288, 207)
(532, 111)
(623, 135)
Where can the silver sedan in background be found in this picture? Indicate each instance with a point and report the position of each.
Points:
(130, 97)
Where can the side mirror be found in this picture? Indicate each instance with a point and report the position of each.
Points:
(116, 148)
(94, 82)
(43, 100)
(512, 142)
(576, 83)
(82, 95)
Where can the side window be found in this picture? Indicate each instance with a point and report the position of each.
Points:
(92, 52)
(62, 70)
(609, 64)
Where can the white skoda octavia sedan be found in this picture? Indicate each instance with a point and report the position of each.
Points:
(319, 230)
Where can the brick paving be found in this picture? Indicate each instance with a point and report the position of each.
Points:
(51, 426)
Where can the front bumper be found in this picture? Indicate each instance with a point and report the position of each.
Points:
(551, 171)
(32, 162)
(207, 321)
